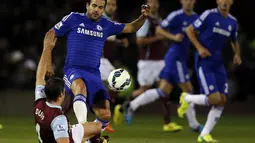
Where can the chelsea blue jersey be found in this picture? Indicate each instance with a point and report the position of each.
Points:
(85, 38)
(176, 23)
(215, 31)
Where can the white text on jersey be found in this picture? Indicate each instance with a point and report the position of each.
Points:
(221, 31)
(90, 32)
(39, 113)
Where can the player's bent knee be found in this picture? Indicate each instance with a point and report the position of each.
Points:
(223, 100)
(215, 99)
(165, 86)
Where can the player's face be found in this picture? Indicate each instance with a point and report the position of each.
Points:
(95, 9)
(188, 5)
(154, 4)
(224, 4)
(111, 7)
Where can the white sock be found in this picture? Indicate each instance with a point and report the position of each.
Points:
(199, 99)
(191, 116)
(80, 108)
(212, 119)
(143, 99)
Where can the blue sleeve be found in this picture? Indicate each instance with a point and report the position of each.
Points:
(170, 21)
(65, 25)
(39, 92)
(234, 34)
(201, 22)
(115, 28)
(59, 127)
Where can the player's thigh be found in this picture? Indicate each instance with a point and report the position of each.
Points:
(105, 68)
(221, 80)
(207, 80)
(139, 91)
(186, 87)
(74, 82)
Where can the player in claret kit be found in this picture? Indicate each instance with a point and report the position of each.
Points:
(216, 27)
(51, 124)
(86, 34)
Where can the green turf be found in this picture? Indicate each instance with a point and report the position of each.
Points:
(145, 129)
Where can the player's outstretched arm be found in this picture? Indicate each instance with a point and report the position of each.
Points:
(48, 44)
(138, 23)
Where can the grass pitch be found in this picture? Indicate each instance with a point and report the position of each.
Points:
(145, 129)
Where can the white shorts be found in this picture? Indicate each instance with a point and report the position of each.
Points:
(77, 133)
(105, 68)
(148, 71)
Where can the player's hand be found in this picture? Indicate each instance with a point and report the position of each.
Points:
(203, 52)
(237, 60)
(178, 37)
(49, 40)
(145, 10)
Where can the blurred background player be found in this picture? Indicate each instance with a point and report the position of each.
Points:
(51, 124)
(175, 71)
(86, 34)
(152, 49)
(216, 27)
(112, 42)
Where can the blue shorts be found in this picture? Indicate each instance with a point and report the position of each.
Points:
(96, 89)
(175, 70)
(212, 77)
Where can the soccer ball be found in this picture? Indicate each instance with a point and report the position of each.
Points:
(119, 80)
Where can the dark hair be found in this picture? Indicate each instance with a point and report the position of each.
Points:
(89, 1)
(53, 88)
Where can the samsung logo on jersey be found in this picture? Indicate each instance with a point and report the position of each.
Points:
(90, 32)
(221, 31)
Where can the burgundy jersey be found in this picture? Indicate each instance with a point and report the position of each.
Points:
(156, 50)
(50, 121)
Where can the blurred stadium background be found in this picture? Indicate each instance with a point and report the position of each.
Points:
(23, 25)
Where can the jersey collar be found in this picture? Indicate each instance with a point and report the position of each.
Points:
(53, 106)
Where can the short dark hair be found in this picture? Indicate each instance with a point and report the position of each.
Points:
(53, 88)
(89, 1)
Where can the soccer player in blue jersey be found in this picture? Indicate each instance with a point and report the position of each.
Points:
(86, 34)
(216, 27)
(175, 72)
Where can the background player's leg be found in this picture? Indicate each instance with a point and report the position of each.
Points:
(139, 91)
(79, 103)
(191, 113)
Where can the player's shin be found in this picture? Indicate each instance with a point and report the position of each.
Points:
(199, 99)
(145, 98)
(80, 108)
(191, 116)
(212, 119)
